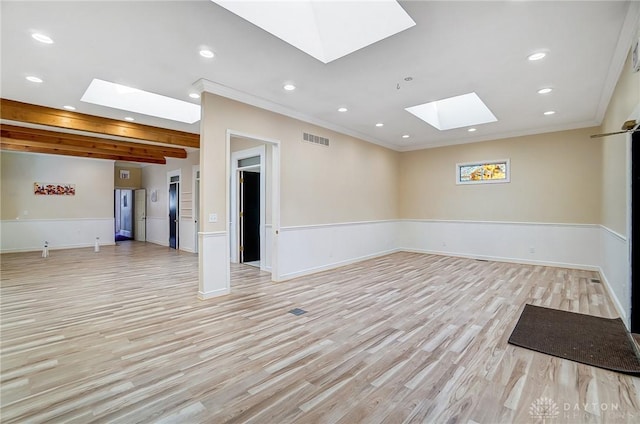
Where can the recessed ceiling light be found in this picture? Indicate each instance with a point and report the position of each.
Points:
(536, 56)
(472, 130)
(206, 53)
(289, 87)
(550, 112)
(379, 124)
(194, 95)
(42, 38)
(405, 136)
(326, 30)
(128, 118)
(34, 79)
(105, 93)
(454, 112)
(69, 107)
(545, 90)
(342, 109)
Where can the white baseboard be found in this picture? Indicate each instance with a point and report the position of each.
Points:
(565, 245)
(305, 250)
(63, 247)
(334, 265)
(29, 235)
(158, 242)
(615, 271)
(213, 293)
(614, 298)
(585, 267)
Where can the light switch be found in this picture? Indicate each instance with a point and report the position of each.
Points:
(213, 217)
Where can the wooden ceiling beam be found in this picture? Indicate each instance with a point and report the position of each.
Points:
(68, 141)
(17, 146)
(79, 149)
(33, 114)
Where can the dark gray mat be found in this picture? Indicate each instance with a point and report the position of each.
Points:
(601, 342)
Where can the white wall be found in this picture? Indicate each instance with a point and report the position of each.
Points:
(312, 248)
(563, 245)
(614, 268)
(154, 178)
(27, 220)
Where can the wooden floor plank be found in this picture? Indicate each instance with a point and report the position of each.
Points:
(119, 336)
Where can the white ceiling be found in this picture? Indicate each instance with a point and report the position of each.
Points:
(454, 48)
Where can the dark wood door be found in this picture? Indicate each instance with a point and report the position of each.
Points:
(173, 215)
(249, 216)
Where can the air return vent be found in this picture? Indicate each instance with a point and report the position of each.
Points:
(315, 139)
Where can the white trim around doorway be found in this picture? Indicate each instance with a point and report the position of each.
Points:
(234, 210)
(195, 182)
(269, 244)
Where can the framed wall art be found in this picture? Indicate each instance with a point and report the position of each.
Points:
(483, 172)
(54, 189)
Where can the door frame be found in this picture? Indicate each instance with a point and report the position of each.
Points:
(195, 189)
(274, 231)
(174, 173)
(234, 210)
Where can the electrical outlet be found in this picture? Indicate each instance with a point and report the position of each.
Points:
(213, 217)
(532, 249)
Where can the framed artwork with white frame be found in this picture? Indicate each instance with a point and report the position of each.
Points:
(483, 172)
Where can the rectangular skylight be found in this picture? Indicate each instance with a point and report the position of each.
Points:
(105, 93)
(454, 112)
(324, 29)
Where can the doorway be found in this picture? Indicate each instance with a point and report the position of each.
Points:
(247, 209)
(174, 209)
(123, 213)
(249, 216)
(269, 229)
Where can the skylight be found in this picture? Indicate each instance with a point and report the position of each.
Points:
(121, 97)
(454, 112)
(326, 30)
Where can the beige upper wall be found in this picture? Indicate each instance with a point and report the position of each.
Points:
(135, 177)
(625, 99)
(351, 180)
(93, 179)
(555, 178)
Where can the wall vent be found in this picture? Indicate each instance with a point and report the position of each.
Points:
(315, 139)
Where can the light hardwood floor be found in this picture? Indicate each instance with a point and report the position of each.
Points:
(119, 336)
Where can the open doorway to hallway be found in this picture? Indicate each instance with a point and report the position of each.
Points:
(248, 205)
(123, 202)
(130, 214)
